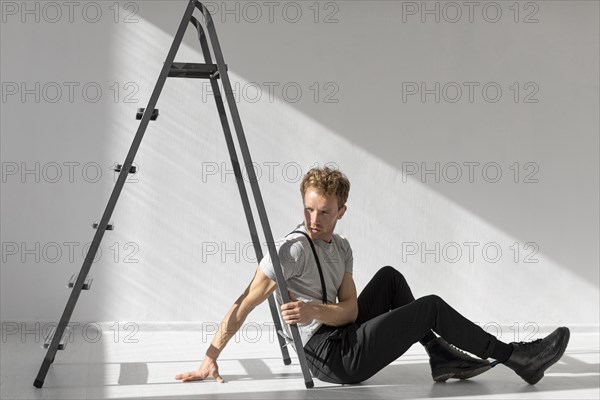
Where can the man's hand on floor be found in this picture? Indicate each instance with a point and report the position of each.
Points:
(208, 368)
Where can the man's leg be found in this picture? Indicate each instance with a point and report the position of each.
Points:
(354, 353)
(389, 290)
(386, 291)
(380, 340)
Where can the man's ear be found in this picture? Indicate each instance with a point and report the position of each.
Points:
(341, 211)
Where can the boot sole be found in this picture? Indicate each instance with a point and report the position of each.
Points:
(460, 374)
(535, 378)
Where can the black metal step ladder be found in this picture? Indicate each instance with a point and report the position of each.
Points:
(82, 281)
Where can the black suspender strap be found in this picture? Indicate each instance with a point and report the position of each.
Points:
(312, 246)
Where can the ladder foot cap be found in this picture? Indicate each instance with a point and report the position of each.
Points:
(38, 383)
(287, 361)
(309, 384)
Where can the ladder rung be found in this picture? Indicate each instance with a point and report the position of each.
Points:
(63, 340)
(87, 283)
(118, 167)
(109, 227)
(193, 70)
(140, 114)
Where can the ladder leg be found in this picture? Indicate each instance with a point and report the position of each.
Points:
(240, 183)
(277, 325)
(87, 264)
(255, 188)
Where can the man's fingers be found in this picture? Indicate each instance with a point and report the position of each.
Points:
(195, 377)
(218, 377)
(183, 376)
(289, 306)
(290, 319)
(289, 314)
(190, 376)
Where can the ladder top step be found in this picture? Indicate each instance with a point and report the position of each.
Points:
(193, 70)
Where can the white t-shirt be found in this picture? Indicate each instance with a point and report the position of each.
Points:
(302, 274)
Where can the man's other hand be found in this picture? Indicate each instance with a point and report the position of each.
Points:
(297, 312)
(208, 369)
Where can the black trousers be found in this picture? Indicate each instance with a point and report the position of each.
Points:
(389, 322)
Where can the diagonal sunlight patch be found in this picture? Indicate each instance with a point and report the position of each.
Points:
(186, 203)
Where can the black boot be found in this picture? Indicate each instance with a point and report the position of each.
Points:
(530, 360)
(447, 362)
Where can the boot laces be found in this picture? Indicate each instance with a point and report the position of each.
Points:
(458, 350)
(534, 343)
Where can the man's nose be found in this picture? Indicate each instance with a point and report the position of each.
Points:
(316, 220)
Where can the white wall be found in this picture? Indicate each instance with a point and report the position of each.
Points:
(182, 219)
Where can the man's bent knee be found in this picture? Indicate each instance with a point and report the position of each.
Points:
(431, 301)
(388, 271)
(433, 298)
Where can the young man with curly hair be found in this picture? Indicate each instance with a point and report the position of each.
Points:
(348, 338)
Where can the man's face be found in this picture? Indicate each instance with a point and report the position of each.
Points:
(321, 214)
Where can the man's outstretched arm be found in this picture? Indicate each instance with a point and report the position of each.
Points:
(258, 291)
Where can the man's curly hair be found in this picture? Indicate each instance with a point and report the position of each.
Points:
(327, 181)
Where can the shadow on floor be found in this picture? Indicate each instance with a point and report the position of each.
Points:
(402, 381)
(133, 374)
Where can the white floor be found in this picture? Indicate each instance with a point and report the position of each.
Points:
(113, 366)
